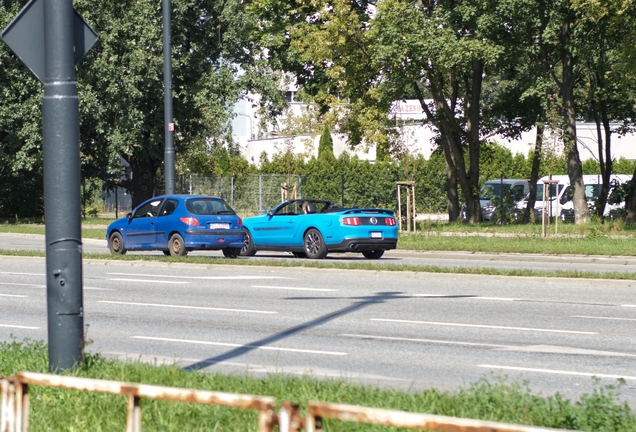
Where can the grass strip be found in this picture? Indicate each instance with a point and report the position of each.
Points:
(480, 239)
(292, 263)
(496, 399)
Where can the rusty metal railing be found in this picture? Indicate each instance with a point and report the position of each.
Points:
(14, 407)
(15, 418)
(316, 411)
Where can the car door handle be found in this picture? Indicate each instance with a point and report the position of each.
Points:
(291, 221)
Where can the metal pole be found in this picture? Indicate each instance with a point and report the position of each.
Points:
(167, 100)
(62, 207)
(342, 190)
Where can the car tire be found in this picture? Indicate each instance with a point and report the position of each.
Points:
(176, 246)
(248, 249)
(166, 252)
(116, 244)
(231, 252)
(299, 254)
(314, 245)
(375, 254)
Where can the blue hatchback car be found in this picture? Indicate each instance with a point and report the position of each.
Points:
(177, 224)
(313, 228)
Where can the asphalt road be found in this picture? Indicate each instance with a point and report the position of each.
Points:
(391, 329)
(502, 261)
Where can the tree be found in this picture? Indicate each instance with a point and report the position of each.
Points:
(21, 187)
(325, 145)
(357, 60)
(121, 83)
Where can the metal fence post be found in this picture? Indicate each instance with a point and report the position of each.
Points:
(133, 420)
(342, 190)
(232, 190)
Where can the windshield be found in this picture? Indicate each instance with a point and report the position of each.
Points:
(490, 190)
(552, 191)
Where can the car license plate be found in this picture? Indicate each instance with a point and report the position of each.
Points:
(376, 235)
(219, 226)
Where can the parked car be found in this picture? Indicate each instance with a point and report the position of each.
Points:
(593, 185)
(312, 228)
(177, 224)
(495, 192)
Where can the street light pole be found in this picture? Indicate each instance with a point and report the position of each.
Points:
(62, 208)
(167, 100)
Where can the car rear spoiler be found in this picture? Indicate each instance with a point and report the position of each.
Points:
(369, 210)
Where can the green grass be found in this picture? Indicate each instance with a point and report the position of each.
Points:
(591, 244)
(494, 399)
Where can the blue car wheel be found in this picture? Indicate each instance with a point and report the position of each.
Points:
(314, 245)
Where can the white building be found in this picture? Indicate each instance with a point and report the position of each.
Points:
(417, 138)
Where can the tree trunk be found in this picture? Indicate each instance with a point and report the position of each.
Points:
(575, 169)
(534, 173)
(630, 201)
(607, 172)
(451, 194)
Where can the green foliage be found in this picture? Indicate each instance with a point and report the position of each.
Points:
(325, 145)
(496, 399)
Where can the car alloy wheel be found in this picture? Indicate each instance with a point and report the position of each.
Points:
(248, 248)
(314, 245)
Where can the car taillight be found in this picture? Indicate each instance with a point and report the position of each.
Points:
(351, 221)
(240, 222)
(390, 221)
(190, 221)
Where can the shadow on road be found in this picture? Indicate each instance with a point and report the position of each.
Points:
(365, 301)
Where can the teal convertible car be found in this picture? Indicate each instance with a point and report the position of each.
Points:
(312, 228)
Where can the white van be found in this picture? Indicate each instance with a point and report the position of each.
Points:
(561, 200)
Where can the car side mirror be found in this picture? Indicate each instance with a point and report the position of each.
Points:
(129, 215)
(270, 213)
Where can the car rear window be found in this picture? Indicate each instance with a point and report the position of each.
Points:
(208, 206)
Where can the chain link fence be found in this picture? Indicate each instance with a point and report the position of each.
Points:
(252, 194)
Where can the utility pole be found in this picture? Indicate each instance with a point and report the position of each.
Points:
(167, 100)
(62, 207)
(50, 37)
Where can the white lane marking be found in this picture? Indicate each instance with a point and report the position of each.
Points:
(558, 372)
(628, 305)
(13, 295)
(97, 289)
(604, 318)
(23, 274)
(483, 326)
(232, 345)
(423, 340)
(293, 288)
(494, 298)
(44, 286)
(201, 277)
(19, 327)
(154, 281)
(185, 307)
